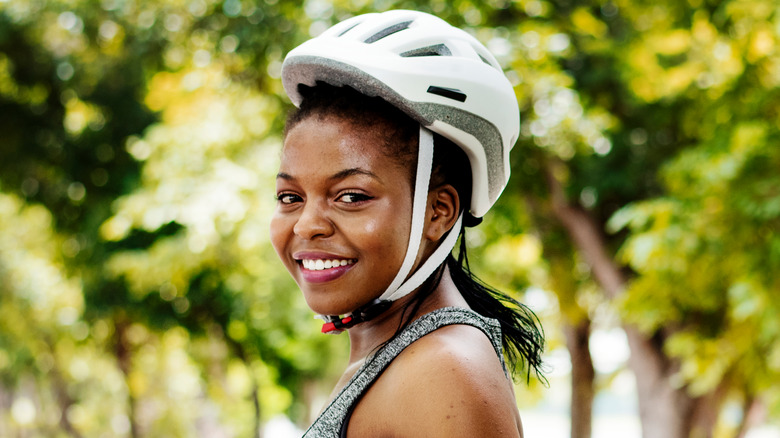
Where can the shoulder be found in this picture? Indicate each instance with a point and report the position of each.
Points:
(448, 383)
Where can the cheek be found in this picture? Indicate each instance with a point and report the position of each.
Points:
(387, 235)
(280, 231)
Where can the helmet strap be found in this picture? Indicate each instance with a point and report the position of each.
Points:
(419, 204)
(401, 285)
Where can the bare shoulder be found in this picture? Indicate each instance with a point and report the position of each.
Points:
(448, 383)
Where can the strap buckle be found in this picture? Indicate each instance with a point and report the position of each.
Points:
(335, 324)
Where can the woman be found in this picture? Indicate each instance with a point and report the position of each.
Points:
(402, 139)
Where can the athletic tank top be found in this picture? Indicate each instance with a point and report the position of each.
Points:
(333, 420)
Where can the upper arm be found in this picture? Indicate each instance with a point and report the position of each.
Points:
(450, 384)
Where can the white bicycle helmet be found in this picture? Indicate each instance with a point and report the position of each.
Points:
(440, 76)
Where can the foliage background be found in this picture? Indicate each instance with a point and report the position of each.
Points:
(139, 295)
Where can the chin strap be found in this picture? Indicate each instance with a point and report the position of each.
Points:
(401, 286)
(334, 325)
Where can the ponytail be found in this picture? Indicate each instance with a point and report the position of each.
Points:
(522, 333)
(523, 336)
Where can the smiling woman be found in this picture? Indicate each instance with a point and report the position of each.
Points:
(340, 201)
(401, 140)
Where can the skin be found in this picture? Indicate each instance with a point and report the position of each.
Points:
(341, 197)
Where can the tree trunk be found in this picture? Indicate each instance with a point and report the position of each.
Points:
(256, 403)
(6, 401)
(666, 410)
(576, 329)
(64, 400)
(241, 353)
(582, 376)
(753, 412)
(123, 353)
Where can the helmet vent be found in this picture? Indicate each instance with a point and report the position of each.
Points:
(450, 93)
(387, 32)
(486, 61)
(349, 28)
(435, 50)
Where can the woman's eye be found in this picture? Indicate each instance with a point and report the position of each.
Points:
(352, 198)
(287, 198)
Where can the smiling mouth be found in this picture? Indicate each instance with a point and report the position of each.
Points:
(321, 265)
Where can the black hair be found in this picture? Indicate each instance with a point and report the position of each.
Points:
(399, 131)
(522, 333)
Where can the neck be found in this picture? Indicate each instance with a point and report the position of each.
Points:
(366, 337)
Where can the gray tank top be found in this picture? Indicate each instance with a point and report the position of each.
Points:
(333, 420)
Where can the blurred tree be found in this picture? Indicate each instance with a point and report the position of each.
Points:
(186, 293)
(690, 93)
(140, 296)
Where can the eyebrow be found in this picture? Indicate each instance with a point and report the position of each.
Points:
(336, 176)
(353, 171)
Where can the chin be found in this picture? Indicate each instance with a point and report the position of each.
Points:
(324, 306)
(328, 307)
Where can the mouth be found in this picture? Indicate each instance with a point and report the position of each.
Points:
(323, 264)
(323, 268)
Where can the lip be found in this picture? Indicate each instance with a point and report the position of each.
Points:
(324, 275)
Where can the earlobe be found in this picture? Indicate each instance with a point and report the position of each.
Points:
(443, 208)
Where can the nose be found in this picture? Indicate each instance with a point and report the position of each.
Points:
(313, 222)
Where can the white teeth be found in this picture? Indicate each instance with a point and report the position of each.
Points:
(319, 265)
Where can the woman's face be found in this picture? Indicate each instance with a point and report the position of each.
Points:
(341, 225)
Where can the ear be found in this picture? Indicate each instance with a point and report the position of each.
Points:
(442, 211)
